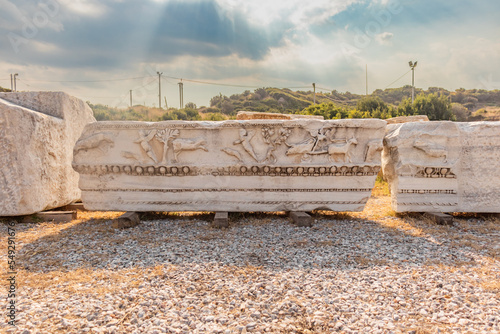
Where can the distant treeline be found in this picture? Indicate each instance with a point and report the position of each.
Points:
(436, 103)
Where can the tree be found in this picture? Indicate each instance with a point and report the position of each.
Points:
(227, 108)
(435, 107)
(216, 100)
(373, 104)
(327, 110)
(192, 114)
(261, 93)
(215, 117)
(190, 105)
(461, 113)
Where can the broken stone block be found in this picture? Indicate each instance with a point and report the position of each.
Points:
(249, 115)
(37, 133)
(407, 119)
(443, 166)
(233, 166)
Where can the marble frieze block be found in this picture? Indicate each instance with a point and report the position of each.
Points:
(443, 166)
(254, 165)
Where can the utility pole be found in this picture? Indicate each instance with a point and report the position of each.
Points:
(314, 91)
(181, 94)
(11, 83)
(15, 83)
(412, 66)
(131, 98)
(159, 89)
(166, 104)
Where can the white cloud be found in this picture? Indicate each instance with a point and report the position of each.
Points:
(384, 38)
(298, 12)
(85, 7)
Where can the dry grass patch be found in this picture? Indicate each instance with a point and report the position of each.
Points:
(381, 188)
(336, 215)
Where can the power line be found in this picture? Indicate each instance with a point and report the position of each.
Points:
(211, 83)
(227, 85)
(62, 81)
(165, 76)
(397, 79)
(324, 89)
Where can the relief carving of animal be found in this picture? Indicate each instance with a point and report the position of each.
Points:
(344, 149)
(372, 148)
(101, 141)
(431, 149)
(301, 148)
(182, 144)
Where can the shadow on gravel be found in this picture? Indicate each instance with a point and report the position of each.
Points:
(336, 241)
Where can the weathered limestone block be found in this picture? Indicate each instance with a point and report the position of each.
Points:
(443, 166)
(249, 115)
(260, 165)
(37, 133)
(407, 119)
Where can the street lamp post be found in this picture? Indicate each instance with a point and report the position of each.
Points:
(159, 89)
(412, 66)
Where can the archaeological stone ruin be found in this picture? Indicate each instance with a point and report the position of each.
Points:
(443, 166)
(53, 153)
(37, 133)
(257, 165)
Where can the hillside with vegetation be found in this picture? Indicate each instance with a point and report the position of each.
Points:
(437, 103)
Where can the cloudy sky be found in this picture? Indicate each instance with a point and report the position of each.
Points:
(99, 50)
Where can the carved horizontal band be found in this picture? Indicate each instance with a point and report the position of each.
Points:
(227, 171)
(218, 202)
(427, 191)
(238, 124)
(228, 190)
(435, 172)
(427, 204)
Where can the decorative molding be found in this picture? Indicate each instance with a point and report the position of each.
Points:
(430, 172)
(181, 190)
(286, 203)
(112, 125)
(433, 204)
(161, 170)
(427, 191)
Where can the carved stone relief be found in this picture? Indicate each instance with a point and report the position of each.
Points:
(443, 166)
(244, 141)
(100, 141)
(204, 157)
(188, 145)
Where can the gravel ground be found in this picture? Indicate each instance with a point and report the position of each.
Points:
(370, 272)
